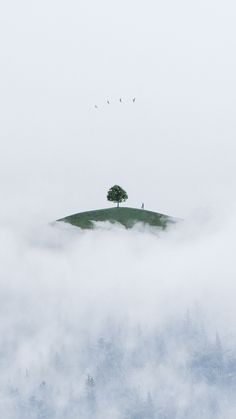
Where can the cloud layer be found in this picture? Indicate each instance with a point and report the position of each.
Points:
(131, 324)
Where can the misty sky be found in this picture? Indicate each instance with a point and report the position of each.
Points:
(174, 149)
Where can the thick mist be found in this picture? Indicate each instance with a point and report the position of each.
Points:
(110, 322)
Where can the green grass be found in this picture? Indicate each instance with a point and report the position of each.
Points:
(128, 217)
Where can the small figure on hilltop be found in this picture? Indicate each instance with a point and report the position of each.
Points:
(117, 194)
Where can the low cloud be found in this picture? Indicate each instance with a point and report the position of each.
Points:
(118, 323)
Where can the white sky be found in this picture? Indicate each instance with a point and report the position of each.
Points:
(174, 149)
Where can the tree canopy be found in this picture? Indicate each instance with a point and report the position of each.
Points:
(117, 194)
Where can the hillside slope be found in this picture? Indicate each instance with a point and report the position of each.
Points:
(128, 217)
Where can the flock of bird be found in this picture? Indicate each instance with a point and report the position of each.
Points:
(120, 100)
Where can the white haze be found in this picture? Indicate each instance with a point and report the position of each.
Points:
(111, 323)
(148, 316)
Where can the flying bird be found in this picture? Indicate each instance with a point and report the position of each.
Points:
(95, 106)
(108, 102)
(134, 99)
(120, 100)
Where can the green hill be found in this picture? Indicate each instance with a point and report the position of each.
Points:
(128, 217)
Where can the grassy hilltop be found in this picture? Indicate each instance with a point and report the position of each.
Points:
(128, 217)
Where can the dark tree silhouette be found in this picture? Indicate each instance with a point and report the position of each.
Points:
(117, 194)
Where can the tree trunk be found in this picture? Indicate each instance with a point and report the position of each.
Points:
(118, 204)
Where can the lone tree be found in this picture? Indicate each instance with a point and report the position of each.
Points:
(117, 194)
